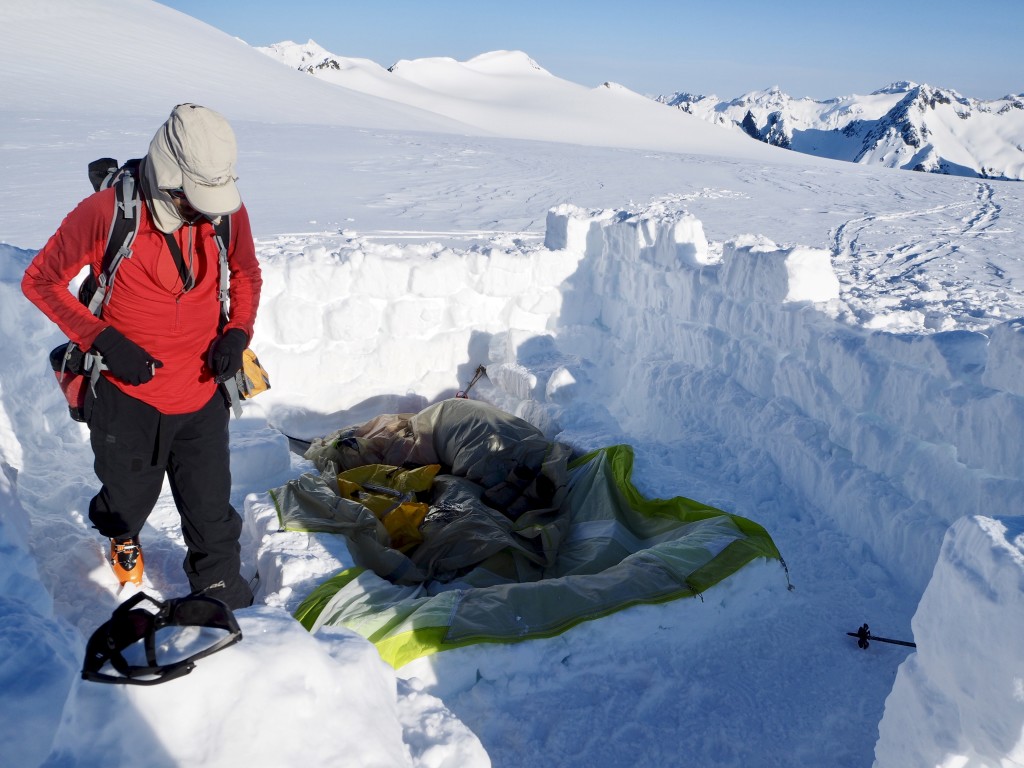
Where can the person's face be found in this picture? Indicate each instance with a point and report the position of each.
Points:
(188, 214)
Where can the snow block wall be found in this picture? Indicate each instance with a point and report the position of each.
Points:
(901, 440)
(959, 699)
(1005, 365)
(892, 436)
(380, 310)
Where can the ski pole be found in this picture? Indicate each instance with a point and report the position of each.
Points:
(864, 634)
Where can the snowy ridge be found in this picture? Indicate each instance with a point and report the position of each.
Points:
(904, 125)
(500, 63)
(310, 57)
(509, 94)
(313, 58)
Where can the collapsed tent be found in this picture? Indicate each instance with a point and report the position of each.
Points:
(467, 525)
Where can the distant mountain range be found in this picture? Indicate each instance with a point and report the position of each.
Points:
(905, 125)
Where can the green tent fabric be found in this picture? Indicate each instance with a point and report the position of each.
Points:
(591, 544)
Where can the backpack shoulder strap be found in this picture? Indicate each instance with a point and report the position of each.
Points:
(124, 226)
(222, 226)
(222, 234)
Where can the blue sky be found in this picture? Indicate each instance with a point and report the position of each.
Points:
(816, 48)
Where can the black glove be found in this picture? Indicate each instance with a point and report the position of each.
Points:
(226, 353)
(125, 359)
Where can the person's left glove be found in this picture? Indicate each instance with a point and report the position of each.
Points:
(226, 353)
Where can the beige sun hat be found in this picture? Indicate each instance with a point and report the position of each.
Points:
(196, 150)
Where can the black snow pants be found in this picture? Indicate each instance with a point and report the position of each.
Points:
(134, 447)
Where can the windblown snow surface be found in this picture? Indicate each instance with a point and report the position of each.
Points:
(832, 350)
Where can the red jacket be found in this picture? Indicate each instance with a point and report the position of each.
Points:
(146, 303)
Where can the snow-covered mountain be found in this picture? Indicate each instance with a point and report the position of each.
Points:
(313, 58)
(507, 93)
(904, 125)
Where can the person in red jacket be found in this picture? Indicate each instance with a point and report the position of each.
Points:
(158, 410)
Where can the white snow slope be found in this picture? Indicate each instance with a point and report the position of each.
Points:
(832, 350)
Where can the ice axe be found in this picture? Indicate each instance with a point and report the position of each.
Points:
(864, 634)
(464, 393)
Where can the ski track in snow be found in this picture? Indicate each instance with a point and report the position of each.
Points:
(884, 249)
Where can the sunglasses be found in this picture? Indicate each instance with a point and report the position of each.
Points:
(128, 625)
(177, 194)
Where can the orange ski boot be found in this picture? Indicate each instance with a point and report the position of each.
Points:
(126, 560)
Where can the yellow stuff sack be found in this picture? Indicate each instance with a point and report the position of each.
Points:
(252, 378)
(389, 492)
